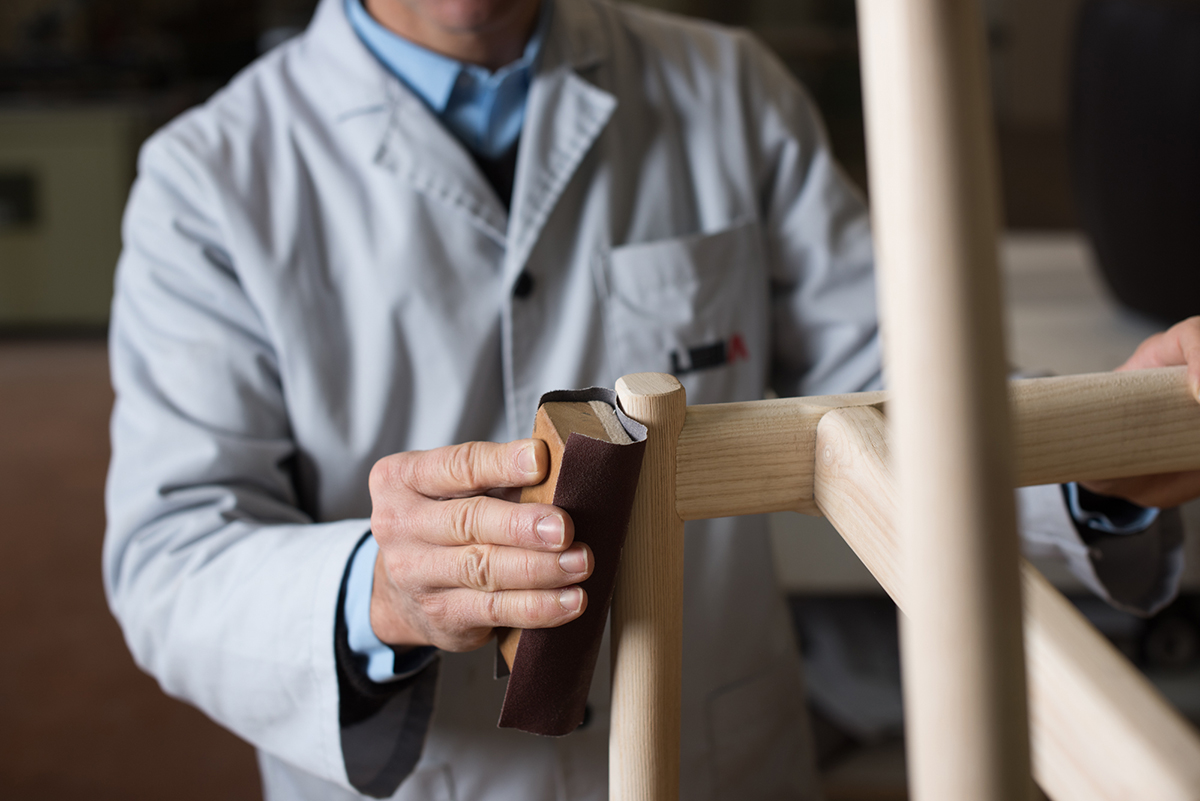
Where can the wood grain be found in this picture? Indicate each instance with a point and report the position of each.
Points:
(934, 201)
(757, 456)
(1104, 425)
(544, 428)
(647, 616)
(1100, 731)
(855, 490)
(752, 457)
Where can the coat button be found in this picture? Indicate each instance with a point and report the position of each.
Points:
(523, 288)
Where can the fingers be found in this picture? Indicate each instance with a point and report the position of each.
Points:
(447, 497)
(455, 560)
(490, 568)
(476, 614)
(1189, 338)
(460, 619)
(483, 520)
(526, 609)
(459, 471)
(1180, 344)
(452, 597)
(1164, 490)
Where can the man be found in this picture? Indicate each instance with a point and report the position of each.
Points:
(355, 270)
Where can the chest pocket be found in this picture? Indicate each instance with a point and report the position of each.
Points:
(695, 306)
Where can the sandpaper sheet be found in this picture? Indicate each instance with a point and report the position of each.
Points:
(552, 673)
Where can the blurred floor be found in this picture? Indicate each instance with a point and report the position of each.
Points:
(79, 720)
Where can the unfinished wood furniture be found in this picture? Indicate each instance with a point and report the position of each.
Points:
(1098, 729)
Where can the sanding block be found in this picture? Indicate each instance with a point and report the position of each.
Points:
(595, 458)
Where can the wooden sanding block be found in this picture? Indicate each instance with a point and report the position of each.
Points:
(595, 457)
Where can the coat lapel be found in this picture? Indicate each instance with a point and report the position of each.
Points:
(408, 141)
(420, 151)
(563, 118)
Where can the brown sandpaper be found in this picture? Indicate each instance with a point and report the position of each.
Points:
(552, 669)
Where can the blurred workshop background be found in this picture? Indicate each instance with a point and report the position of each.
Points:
(1098, 123)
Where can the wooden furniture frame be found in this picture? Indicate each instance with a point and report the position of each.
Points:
(983, 632)
(1099, 729)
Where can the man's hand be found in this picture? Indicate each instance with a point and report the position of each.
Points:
(456, 561)
(1178, 345)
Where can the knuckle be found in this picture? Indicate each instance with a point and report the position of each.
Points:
(410, 568)
(475, 568)
(381, 521)
(536, 608)
(424, 472)
(464, 518)
(442, 617)
(386, 524)
(433, 606)
(462, 465)
(517, 527)
(492, 610)
(383, 475)
(410, 526)
(394, 523)
(528, 569)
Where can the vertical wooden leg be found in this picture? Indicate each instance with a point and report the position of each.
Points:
(934, 197)
(647, 611)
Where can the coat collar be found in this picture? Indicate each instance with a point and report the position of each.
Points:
(350, 80)
(580, 33)
(346, 78)
(564, 116)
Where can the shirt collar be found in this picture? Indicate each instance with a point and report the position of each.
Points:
(431, 75)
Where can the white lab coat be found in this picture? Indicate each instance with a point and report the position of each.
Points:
(316, 275)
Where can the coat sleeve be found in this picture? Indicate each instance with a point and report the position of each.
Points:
(824, 323)
(826, 336)
(1137, 572)
(225, 589)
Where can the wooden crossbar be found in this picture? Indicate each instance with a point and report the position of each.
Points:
(1100, 731)
(757, 456)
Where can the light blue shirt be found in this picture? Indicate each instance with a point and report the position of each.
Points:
(485, 110)
(382, 664)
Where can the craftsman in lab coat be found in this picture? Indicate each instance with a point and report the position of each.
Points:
(318, 274)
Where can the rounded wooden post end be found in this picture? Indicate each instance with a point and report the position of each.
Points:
(649, 385)
(647, 616)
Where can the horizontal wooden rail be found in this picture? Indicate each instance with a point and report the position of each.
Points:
(1100, 731)
(752, 457)
(1104, 425)
(758, 456)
